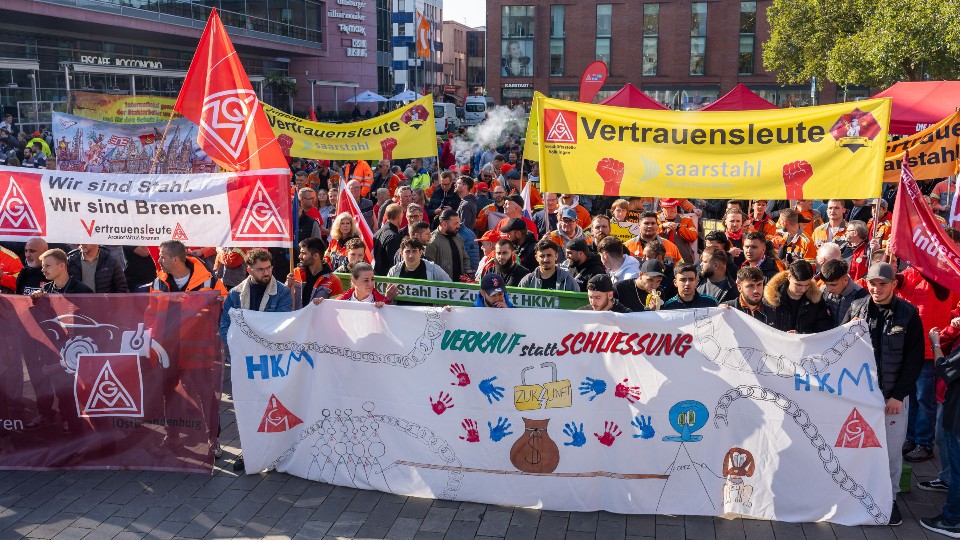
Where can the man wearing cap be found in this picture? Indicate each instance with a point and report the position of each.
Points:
(600, 296)
(567, 229)
(582, 262)
(750, 300)
(546, 218)
(488, 245)
(517, 232)
(677, 228)
(446, 247)
(619, 265)
(897, 335)
(759, 220)
(482, 191)
(636, 294)
(513, 207)
(38, 139)
(384, 177)
(467, 210)
(685, 278)
(714, 280)
(547, 275)
(573, 201)
(493, 292)
(515, 185)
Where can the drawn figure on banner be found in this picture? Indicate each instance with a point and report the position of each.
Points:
(349, 445)
(549, 395)
(687, 417)
(534, 451)
(491, 391)
(463, 379)
(644, 427)
(737, 465)
(498, 432)
(577, 438)
(592, 386)
(610, 433)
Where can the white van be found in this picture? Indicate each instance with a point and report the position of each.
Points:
(445, 115)
(475, 109)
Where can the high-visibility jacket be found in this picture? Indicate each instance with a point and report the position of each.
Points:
(10, 266)
(361, 172)
(200, 280)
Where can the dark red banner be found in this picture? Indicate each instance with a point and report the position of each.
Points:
(592, 81)
(95, 381)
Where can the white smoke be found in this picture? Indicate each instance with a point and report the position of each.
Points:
(501, 124)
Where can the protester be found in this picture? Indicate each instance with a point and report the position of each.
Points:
(793, 244)
(600, 228)
(619, 265)
(97, 268)
(490, 216)
(513, 207)
(567, 230)
(649, 227)
(488, 245)
(546, 218)
(493, 292)
(839, 289)
(582, 262)
(685, 278)
(30, 278)
(547, 275)
(53, 264)
(313, 278)
(356, 252)
(760, 221)
(443, 198)
(757, 252)
(363, 289)
(714, 280)
(678, 229)
(854, 249)
(180, 272)
(308, 220)
(413, 265)
(600, 295)
(517, 232)
(835, 229)
(750, 282)
(343, 230)
(798, 306)
(229, 266)
(259, 292)
(948, 368)
(386, 241)
(507, 265)
(468, 209)
(446, 248)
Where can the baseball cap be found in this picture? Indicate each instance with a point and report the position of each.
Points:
(490, 236)
(601, 283)
(324, 162)
(465, 169)
(882, 271)
(517, 199)
(669, 203)
(578, 245)
(515, 224)
(481, 186)
(568, 213)
(450, 135)
(652, 267)
(492, 283)
(36, 133)
(512, 175)
(506, 167)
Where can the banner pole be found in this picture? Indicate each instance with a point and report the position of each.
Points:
(873, 230)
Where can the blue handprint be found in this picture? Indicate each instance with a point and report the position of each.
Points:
(492, 391)
(577, 438)
(499, 431)
(644, 425)
(596, 386)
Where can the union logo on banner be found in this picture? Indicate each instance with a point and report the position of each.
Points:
(22, 212)
(856, 433)
(277, 418)
(179, 233)
(855, 130)
(260, 220)
(226, 119)
(562, 126)
(108, 385)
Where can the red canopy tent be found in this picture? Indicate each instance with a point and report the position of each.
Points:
(740, 98)
(917, 105)
(631, 96)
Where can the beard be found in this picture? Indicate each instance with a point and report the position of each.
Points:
(708, 273)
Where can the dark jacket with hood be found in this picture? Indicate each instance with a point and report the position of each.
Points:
(812, 315)
(108, 276)
(590, 267)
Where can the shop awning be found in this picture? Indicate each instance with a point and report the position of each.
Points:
(917, 105)
(740, 98)
(631, 96)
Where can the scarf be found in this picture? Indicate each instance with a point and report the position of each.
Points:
(244, 289)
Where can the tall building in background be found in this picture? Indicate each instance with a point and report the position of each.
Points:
(477, 61)
(454, 58)
(682, 53)
(410, 71)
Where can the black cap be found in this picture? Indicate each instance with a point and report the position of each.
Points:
(512, 175)
(600, 283)
(492, 283)
(515, 224)
(652, 267)
(578, 245)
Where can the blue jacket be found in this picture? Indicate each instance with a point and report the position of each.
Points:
(277, 298)
(479, 301)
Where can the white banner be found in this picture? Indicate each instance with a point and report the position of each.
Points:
(227, 209)
(664, 412)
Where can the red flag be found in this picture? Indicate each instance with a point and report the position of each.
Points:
(217, 96)
(346, 203)
(592, 81)
(918, 238)
(313, 115)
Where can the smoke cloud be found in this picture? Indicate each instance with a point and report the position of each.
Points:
(501, 125)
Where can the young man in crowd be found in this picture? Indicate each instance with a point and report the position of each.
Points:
(413, 265)
(760, 221)
(794, 245)
(516, 231)
(755, 253)
(600, 295)
(446, 248)
(493, 292)
(733, 230)
(834, 230)
(386, 241)
(312, 278)
(649, 227)
(506, 264)
(636, 294)
(582, 262)
(182, 273)
(714, 280)
(53, 264)
(750, 282)
(259, 292)
(685, 278)
(356, 252)
(619, 265)
(547, 275)
(839, 290)
(798, 306)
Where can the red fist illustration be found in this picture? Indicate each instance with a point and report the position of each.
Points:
(610, 433)
(630, 393)
(444, 402)
(388, 145)
(795, 175)
(461, 374)
(470, 426)
(286, 143)
(611, 171)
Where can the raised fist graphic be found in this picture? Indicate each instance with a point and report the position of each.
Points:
(387, 145)
(795, 175)
(611, 171)
(286, 143)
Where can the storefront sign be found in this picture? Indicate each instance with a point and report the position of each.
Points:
(123, 62)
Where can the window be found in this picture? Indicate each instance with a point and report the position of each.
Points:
(748, 29)
(556, 40)
(516, 45)
(651, 33)
(604, 31)
(698, 37)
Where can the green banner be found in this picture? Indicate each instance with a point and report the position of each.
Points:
(444, 293)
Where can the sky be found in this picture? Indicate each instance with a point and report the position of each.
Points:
(473, 13)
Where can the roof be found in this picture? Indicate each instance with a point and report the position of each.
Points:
(740, 98)
(917, 105)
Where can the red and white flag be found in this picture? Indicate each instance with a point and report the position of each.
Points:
(955, 203)
(346, 203)
(918, 238)
(217, 96)
(116, 140)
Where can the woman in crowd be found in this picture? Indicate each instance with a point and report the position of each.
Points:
(363, 288)
(419, 197)
(343, 229)
(326, 209)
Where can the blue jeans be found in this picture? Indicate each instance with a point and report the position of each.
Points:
(951, 510)
(942, 434)
(923, 408)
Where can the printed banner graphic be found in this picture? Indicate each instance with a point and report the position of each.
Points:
(408, 132)
(698, 412)
(934, 152)
(85, 145)
(123, 109)
(130, 383)
(223, 209)
(804, 153)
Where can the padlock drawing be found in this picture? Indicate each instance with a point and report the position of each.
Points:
(549, 395)
(534, 451)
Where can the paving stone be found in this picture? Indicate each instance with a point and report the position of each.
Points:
(348, 524)
(438, 519)
(404, 528)
(494, 523)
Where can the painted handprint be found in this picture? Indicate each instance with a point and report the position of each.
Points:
(644, 426)
(611, 172)
(498, 432)
(630, 393)
(592, 386)
(463, 379)
(387, 145)
(795, 175)
(577, 438)
(492, 391)
(473, 434)
(443, 402)
(610, 433)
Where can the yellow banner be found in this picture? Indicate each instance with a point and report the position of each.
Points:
(934, 152)
(831, 151)
(123, 109)
(409, 132)
(531, 146)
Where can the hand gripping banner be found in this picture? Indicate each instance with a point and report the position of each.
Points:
(698, 412)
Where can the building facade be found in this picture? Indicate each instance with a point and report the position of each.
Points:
(412, 72)
(477, 61)
(454, 57)
(682, 53)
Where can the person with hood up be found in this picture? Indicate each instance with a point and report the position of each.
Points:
(798, 305)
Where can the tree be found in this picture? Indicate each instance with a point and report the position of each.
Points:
(283, 88)
(863, 42)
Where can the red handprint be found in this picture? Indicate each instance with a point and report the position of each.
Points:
(795, 175)
(470, 426)
(610, 433)
(611, 172)
(387, 145)
(461, 374)
(630, 393)
(286, 143)
(444, 402)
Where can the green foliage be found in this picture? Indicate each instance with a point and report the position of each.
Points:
(863, 42)
(280, 84)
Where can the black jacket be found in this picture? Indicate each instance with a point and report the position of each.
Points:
(590, 267)
(722, 292)
(513, 277)
(73, 286)
(616, 307)
(628, 294)
(812, 316)
(698, 301)
(948, 368)
(527, 251)
(764, 313)
(108, 277)
(29, 280)
(386, 244)
(898, 346)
